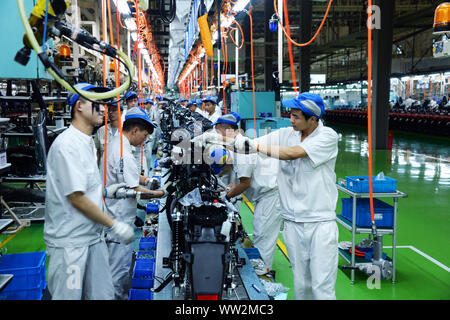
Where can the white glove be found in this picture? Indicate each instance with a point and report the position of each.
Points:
(209, 137)
(110, 191)
(152, 183)
(245, 145)
(123, 231)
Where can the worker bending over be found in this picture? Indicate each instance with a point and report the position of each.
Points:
(74, 219)
(308, 194)
(136, 128)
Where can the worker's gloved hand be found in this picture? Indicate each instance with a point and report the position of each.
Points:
(110, 191)
(209, 137)
(152, 183)
(245, 145)
(123, 231)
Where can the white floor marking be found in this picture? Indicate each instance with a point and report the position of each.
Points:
(423, 254)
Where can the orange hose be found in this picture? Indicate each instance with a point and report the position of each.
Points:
(253, 72)
(104, 84)
(118, 84)
(369, 107)
(291, 58)
(317, 32)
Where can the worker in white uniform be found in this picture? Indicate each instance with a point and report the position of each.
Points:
(211, 111)
(131, 101)
(148, 143)
(257, 175)
(136, 128)
(113, 130)
(191, 105)
(78, 265)
(308, 194)
(183, 102)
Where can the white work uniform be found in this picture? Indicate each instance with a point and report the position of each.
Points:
(120, 254)
(99, 139)
(155, 116)
(78, 258)
(216, 115)
(263, 191)
(308, 194)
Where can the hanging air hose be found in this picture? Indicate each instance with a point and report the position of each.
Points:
(205, 34)
(86, 40)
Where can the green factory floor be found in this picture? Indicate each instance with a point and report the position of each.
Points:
(421, 165)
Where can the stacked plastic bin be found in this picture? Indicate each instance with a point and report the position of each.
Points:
(143, 273)
(383, 212)
(28, 270)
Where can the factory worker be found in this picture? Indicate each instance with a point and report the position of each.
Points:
(131, 101)
(113, 130)
(74, 219)
(183, 102)
(308, 194)
(211, 111)
(148, 143)
(256, 175)
(192, 105)
(136, 128)
(148, 103)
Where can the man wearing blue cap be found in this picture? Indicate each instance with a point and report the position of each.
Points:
(136, 128)
(74, 218)
(183, 102)
(212, 112)
(113, 130)
(256, 177)
(131, 101)
(192, 105)
(308, 194)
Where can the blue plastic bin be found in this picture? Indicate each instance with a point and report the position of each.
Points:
(140, 294)
(146, 255)
(28, 270)
(360, 184)
(252, 253)
(383, 212)
(143, 273)
(147, 243)
(152, 207)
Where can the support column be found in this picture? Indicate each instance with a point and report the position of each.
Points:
(382, 62)
(305, 52)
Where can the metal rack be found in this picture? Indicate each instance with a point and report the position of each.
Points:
(351, 226)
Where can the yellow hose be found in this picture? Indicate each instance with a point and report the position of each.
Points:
(88, 94)
(205, 34)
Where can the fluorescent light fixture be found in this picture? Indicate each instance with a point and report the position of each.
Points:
(122, 6)
(240, 5)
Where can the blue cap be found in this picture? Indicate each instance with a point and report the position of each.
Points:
(182, 100)
(190, 103)
(131, 94)
(73, 97)
(310, 103)
(212, 99)
(148, 100)
(139, 113)
(114, 104)
(219, 160)
(232, 118)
